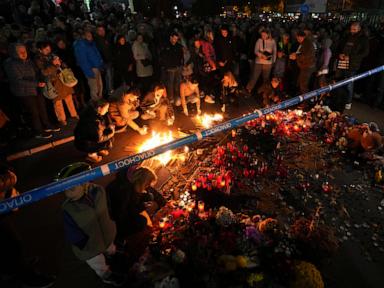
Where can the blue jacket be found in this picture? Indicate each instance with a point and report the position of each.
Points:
(87, 56)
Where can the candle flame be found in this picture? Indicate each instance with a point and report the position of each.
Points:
(207, 120)
(157, 139)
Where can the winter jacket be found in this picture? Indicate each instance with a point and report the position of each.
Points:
(22, 76)
(122, 58)
(306, 57)
(92, 131)
(172, 56)
(208, 52)
(126, 205)
(279, 68)
(87, 56)
(224, 49)
(50, 72)
(356, 47)
(104, 48)
(266, 46)
(141, 52)
(87, 224)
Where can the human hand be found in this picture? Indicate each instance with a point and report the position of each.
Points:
(293, 56)
(341, 56)
(41, 84)
(186, 112)
(221, 64)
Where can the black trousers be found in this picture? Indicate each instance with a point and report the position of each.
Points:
(36, 109)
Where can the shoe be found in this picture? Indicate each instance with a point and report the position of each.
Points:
(38, 281)
(356, 96)
(52, 129)
(209, 99)
(44, 135)
(348, 106)
(114, 280)
(103, 152)
(94, 158)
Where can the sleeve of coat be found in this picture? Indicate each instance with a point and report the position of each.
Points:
(14, 75)
(46, 70)
(274, 51)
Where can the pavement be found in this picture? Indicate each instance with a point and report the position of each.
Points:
(41, 227)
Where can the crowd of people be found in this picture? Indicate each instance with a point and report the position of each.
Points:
(55, 54)
(114, 70)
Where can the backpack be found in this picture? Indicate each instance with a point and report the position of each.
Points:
(49, 91)
(67, 77)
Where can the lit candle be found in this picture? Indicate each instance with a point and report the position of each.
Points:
(162, 223)
(194, 186)
(186, 149)
(233, 133)
(200, 206)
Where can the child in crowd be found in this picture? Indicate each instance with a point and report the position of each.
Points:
(190, 93)
(271, 92)
(88, 226)
(157, 105)
(94, 131)
(123, 109)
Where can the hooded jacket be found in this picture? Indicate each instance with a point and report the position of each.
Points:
(22, 75)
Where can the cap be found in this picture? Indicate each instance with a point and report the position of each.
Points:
(72, 169)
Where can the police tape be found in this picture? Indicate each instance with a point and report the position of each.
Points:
(54, 188)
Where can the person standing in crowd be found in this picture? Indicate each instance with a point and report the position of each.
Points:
(265, 51)
(49, 66)
(88, 226)
(209, 67)
(105, 48)
(143, 58)
(94, 132)
(123, 105)
(90, 61)
(351, 52)
(67, 56)
(171, 62)
(224, 50)
(24, 84)
(306, 61)
(123, 62)
(14, 267)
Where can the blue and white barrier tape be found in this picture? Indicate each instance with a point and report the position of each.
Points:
(46, 191)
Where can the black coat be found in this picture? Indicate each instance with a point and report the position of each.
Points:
(122, 58)
(224, 49)
(356, 47)
(126, 205)
(93, 132)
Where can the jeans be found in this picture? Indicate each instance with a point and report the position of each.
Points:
(259, 69)
(98, 263)
(342, 74)
(36, 109)
(109, 78)
(172, 79)
(96, 85)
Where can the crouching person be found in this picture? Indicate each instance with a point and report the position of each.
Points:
(94, 131)
(123, 109)
(189, 93)
(157, 105)
(88, 226)
(271, 92)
